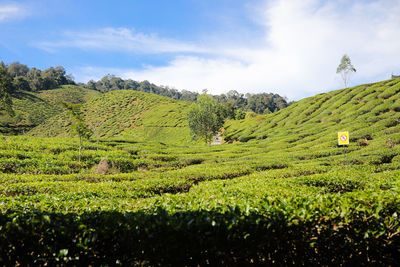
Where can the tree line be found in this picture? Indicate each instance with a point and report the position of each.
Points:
(262, 103)
(33, 79)
(235, 103)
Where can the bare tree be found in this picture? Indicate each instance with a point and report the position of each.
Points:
(345, 69)
(96, 129)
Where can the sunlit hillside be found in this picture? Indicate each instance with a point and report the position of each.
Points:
(33, 108)
(309, 127)
(282, 192)
(127, 114)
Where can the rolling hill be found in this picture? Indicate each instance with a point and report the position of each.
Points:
(370, 112)
(33, 108)
(127, 114)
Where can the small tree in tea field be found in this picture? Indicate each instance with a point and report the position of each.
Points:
(205, 118)
(95, 126)
(79, 126)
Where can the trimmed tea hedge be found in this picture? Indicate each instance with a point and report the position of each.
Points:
(199, 238)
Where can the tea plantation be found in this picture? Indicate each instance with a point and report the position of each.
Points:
(127, 114)
(279, 191)
(34, 108)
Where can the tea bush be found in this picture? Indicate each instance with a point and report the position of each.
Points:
(291, 197)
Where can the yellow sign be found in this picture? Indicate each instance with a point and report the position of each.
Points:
(343, 138)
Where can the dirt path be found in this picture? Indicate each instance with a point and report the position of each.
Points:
(217, 140)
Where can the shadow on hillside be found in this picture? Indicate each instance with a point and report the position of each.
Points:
(23, 95)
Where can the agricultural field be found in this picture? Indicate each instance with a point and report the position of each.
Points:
(34, 108)
(126, 114)
(278, 191)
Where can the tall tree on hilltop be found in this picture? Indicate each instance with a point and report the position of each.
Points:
(345, 69)
(16, 69)
(36, 81)
(54, 77)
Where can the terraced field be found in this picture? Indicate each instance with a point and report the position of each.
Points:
(34, 108)
(285, 195)
(127, 114)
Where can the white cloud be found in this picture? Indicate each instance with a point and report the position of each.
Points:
(12, 11)
(119, 39)
(302, 45)
(85, 74)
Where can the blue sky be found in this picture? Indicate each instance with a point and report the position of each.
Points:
(288, 47)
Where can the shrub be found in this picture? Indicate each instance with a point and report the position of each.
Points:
(363, 142)
(103, 167)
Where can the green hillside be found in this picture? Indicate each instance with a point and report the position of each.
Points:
(370, 112)
(68, 93)
(128, 114)
(33, 108)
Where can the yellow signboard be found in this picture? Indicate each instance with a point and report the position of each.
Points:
(343, 138)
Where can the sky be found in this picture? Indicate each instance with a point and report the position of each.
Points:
(288, 47)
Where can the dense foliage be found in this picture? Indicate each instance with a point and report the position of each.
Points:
(5, 88)
(205, 118)
(287, 196)
(26, 79)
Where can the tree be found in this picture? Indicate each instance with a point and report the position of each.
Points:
(70, 79)
(91, 85)
(35, 79)
(95, 126)
(205, 118)
(238, 100)
(240, 114)
(16, 69)
(145, 86)
(189, 96)
(228, 109)
(345, 69)
(79, 126)
(54, 77)
(5, 88)
(20, 83)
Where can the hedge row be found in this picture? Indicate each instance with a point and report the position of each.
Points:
(197, 238)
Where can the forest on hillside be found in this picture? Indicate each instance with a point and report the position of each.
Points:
(34, 80)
